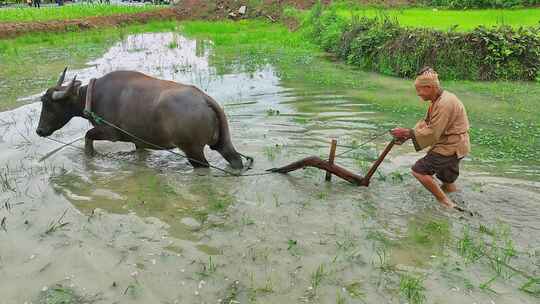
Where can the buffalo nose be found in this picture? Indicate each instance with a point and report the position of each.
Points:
(40, 132)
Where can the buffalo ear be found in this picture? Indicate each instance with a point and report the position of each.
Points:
(76, 84)
(70, 90)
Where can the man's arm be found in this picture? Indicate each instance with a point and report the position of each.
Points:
(425, 135)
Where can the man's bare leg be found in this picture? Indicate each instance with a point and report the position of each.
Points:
(449, 188)
(432, 186)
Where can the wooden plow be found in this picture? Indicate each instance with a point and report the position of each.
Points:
(331, 168)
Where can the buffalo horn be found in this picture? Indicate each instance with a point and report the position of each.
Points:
(57, 95)
(61, 79)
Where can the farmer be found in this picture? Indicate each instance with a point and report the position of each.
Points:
(444, 130)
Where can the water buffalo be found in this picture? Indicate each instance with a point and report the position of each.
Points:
(164, 113)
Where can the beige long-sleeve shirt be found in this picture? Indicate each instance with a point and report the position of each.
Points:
(445, 128)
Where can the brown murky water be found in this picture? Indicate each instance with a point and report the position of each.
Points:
(147, 228)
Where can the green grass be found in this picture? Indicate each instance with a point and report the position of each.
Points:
(461, 20)
(495, 247)
(74, 11)
(317, 277)
(59, 294)
(440, 19)
(207, 269)
(412, 289)
(250, 34)
(430, 233)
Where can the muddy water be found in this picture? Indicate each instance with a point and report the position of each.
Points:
(144, 227)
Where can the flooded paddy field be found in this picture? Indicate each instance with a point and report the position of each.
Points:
(145, 227)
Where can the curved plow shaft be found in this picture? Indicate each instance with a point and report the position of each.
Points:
(317, 162)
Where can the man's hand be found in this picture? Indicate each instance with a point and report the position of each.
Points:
(400, 141)
(401, 134)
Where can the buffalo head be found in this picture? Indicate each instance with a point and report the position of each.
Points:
(60, 104)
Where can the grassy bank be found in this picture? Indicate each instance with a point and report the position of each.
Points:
(464, 4)
(74, 11)
(443, 19)
(384, 45)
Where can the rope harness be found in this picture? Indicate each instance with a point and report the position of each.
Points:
(100, 120)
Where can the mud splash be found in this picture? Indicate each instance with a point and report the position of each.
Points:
(147, 228)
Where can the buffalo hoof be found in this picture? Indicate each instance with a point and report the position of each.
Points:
(89, 152)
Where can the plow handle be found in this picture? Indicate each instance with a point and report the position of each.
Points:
(377, 163)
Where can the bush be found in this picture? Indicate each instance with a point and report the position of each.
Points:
(383, 45)
(325, 28)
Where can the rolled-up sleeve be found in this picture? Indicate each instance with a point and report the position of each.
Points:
(427, 134)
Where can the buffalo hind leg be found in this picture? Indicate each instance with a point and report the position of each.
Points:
(196, 156)
(233, 157)
(97, 133)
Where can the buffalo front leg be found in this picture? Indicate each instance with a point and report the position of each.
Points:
(97, 133)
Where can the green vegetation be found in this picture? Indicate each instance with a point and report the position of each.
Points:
(383, 45)
(271, 152)
(317, 277)
(255, 42)
(215, 201)
(532, 287)
(442, 19)
(355, 290)
(430, 234)
(494, 247)
(480, 3)
(491, 247)
(46, 54)
(207, 269)
(55, 225)
(412, 289)
(292, 247)
(28, 14)
(435, 18)
(494, 244)
(59, 294)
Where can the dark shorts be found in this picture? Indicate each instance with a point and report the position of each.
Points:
(446, 168)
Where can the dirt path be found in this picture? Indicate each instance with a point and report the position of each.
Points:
(13, 29)
(186, 9)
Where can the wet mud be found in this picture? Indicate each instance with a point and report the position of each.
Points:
(132, 227)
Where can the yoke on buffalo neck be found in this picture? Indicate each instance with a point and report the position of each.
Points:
(84, 101)
(88, 98)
